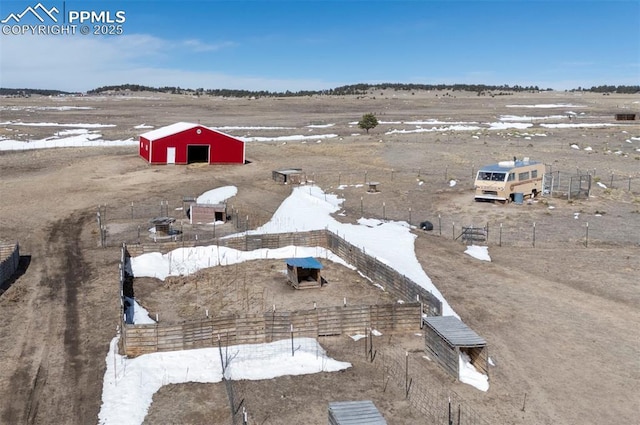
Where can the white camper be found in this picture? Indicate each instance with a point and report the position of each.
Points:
(506, 181)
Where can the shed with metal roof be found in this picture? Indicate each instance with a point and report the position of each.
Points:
(446, 337)
(304, 272)
(288, 176)
(355, 413)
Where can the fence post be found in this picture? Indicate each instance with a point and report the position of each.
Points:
(586, 236)
(534, 234)
(440, 224)
(292, 349)
(500, 240)
(570, 186)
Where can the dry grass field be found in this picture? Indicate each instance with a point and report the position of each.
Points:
(561, 317)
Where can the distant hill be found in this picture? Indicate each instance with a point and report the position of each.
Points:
(355, 89)
(28, 92)
(352, 89)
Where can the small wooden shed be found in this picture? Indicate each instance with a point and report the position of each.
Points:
(355, 413)
(304, 272)
(447, 336)
(207, 213)
(288, 176)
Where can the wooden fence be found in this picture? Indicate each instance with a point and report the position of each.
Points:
(393, 282)
(9, 261)
(248, 328)
(247, 242)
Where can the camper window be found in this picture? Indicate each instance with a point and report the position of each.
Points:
(512, 177)
(523, 176)
(534, 174)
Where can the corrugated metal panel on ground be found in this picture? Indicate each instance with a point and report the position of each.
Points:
(355, 413)
(454, 331)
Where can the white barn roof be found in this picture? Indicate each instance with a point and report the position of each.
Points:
(161, 132)
(178, 127)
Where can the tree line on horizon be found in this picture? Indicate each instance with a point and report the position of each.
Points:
(352, 89)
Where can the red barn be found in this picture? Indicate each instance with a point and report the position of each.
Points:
(185, 143)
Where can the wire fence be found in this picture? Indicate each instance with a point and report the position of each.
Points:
(130, 222)
(435, 401)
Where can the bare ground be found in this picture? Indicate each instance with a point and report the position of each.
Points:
(560, 318)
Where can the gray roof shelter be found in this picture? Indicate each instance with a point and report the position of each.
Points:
(355, 413)
(447, 336)
(288, 175)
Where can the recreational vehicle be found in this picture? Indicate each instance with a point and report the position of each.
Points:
(508, 180)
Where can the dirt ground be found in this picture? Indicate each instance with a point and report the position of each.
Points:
(560, 317)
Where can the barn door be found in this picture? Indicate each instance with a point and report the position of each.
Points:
(171, 155)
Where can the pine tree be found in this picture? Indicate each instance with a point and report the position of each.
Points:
(368, 122)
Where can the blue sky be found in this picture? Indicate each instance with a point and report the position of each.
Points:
(311, 45)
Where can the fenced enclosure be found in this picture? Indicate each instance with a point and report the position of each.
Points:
(566, 185)
(391, 280)
(436, 402)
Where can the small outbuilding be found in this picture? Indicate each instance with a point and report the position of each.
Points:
(355, 413)
(207, 213)
(446, 337)
(162, 225)
(288, 176)
(304, 272)
(186, 143)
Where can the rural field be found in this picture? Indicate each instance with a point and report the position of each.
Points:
(557, 303)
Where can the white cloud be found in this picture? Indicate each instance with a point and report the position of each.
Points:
(200, 46)
(75, 63)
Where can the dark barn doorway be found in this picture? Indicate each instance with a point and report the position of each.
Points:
(197, 153)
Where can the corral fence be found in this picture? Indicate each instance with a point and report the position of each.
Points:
(9, 260)
(392, 281)
(564, 185)
(248, 328)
